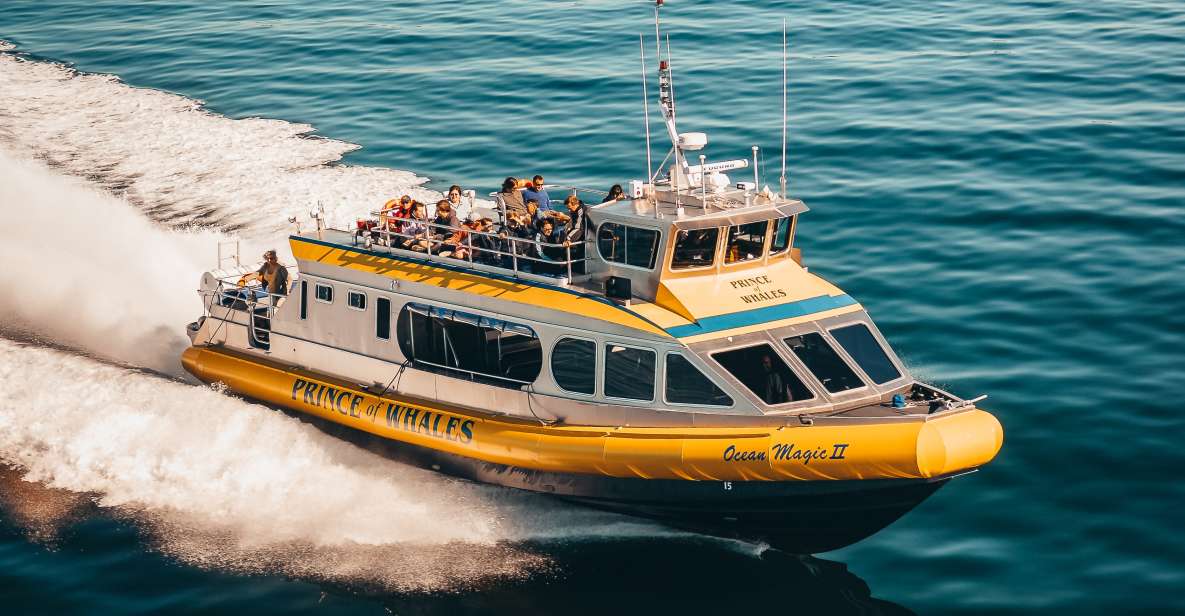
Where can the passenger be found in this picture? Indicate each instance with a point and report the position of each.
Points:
(776, 391)
(533, 215)
(512, 198)
(535, 191)
(272, 275)
(615, 194)
(486, 245)
(415, 229)
(519, 235)
(574, 228)
(547, 250)
(455, 200)
(444, 229)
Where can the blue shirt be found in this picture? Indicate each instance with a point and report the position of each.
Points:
(541, 196)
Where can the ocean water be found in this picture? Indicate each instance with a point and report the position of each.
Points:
(1001, 184)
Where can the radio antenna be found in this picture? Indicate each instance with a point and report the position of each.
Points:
(646, 109)
(785, 62)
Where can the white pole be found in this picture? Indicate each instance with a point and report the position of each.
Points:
(785, 61)
(646, 110)
(756, 178)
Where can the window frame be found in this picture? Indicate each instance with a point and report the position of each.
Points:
(597, 379)
(625, 240)
(716, 255)
(604, 366)
(817, 397)
(351, 293)
(839, 354)
(902, 373)
(304, 300)
(665, 362)
(761, 258)
(390, 330)
(317, 296)
(773, 233)
(496, 380)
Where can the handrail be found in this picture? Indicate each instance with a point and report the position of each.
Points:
(432, 244)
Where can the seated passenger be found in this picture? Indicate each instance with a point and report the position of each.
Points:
(615, 194)
(415, 229)
(389, 213)
(444, 226)
(535, 191)
(547, 250)
(454, 196)
(519, 237)
(512, 198)
(486, 245)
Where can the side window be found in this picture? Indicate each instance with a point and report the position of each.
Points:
(629, 245)
(687, 385)
(746, 242)
(611, 242)
(824, 362)
(629, 372)
(356, 300)
(781, 239)
(762, 370)
(304, 300)
(695, 248)
(573, 364)
(324, 293)
(470, 346)
(859, 342)
(382, 318)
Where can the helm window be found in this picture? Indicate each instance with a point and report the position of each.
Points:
(746, 242)
(824, 362)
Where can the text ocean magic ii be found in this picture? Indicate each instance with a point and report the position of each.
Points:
(399, 416)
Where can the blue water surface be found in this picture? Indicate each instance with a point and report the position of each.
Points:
(1001, 184)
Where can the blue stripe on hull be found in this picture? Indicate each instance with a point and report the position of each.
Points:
(757, 316)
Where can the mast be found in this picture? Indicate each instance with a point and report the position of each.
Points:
(666, 99)
(646, 110)
(785, 62)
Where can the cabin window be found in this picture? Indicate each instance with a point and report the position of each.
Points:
(471, 346)
(324, 293)
(781, 239)
(382, 318)
(629, 245)
(687, 385)
(822, 360)
(859, 342)
(695, 248)
(574, 365)
(629, 372)
(304, 300)
(762, 371)
(746, 242)
(356, 300)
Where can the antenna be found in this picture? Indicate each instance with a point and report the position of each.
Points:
(785, 61)
(646, 109)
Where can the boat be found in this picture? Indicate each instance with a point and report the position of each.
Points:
(677, 361)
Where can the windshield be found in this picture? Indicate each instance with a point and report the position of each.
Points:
(824, 362)
(695, 248)
(746, 242)
(859, 342)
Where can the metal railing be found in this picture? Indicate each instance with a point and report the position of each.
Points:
(259, 305)
(500, 250)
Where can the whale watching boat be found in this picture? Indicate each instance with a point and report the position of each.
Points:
(676, 361)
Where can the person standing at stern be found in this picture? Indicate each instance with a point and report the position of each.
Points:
(272, 275)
